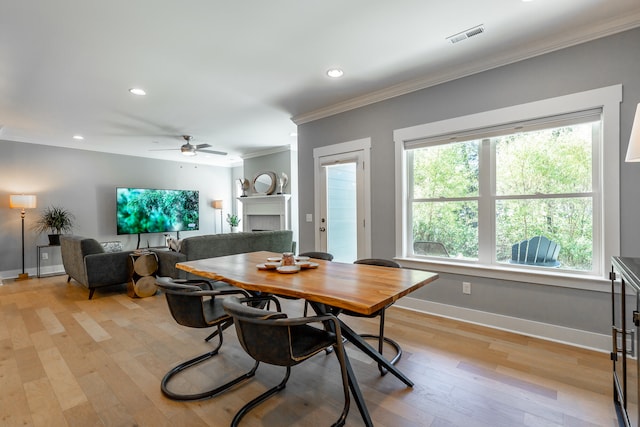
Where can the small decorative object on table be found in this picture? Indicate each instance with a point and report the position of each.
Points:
(287, 258)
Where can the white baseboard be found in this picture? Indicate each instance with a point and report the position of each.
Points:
(546, 331)
(32, 272)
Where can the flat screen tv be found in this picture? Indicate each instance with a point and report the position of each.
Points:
(146, 210)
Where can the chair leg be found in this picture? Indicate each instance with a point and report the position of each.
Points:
(381, 340)
(191, 362)
(91, 291)
(340, 353)
(225, 325)
(258, 400)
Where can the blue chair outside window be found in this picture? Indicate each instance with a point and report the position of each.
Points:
(538, 251)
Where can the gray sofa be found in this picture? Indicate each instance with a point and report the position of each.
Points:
(214, 245)
(86, 261)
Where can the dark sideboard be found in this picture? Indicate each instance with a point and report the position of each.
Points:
(625, 311)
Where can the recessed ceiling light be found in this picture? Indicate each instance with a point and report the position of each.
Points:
(335, 73)
(79, 137)
(137, 91)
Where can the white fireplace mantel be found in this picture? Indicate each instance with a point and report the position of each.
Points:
(266, 212)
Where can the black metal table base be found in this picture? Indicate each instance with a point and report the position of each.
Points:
(366, 348)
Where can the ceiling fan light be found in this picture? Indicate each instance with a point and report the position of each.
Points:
(188, 153)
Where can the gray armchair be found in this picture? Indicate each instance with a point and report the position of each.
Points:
(86, 261)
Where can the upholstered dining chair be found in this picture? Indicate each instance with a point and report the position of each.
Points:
(318, 255)
(326, 256)
(380, 313)
(198, 304)
(273, 338)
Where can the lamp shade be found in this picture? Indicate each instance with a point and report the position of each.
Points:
(633, 151)
(217, 204)
(22, 201)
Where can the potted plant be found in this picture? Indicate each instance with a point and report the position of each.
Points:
(233, 221)
(55, 220)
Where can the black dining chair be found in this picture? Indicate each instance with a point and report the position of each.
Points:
(273, 338)
(198, 304)
(380, 313)
(326, 256)
(318, 255)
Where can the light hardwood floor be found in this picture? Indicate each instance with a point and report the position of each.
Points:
(68, 361)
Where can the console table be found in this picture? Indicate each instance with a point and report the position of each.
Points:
(625, 311)
(39, 259)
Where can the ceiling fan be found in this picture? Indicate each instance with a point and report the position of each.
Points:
(189, 149)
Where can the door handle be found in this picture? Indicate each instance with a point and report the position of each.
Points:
(322, 229)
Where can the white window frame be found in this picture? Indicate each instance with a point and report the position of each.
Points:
(607, 185)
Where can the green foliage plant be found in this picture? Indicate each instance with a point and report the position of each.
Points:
(54, 219)
(233, 220)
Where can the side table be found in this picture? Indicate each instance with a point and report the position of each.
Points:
(39, 258)
(142, 274)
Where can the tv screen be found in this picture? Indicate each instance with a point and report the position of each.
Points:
(144, 210)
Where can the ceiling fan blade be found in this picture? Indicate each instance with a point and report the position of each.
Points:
(220, 153)
(200, 146)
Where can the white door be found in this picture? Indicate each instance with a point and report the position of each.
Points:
(342, 217)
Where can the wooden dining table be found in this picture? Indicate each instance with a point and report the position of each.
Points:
(329, 288)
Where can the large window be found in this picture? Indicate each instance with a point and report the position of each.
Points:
(526, 194)
(538, 183)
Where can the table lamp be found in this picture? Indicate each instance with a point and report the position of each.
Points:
(633, 151)
(217, 204)
(22, 201)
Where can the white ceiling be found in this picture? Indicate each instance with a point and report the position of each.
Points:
(235, 73)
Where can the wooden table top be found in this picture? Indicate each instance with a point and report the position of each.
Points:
(361, 288)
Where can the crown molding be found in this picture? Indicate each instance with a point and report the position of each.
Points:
(588, 34)
(267, 151)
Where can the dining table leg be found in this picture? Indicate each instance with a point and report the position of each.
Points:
(353, 382)
(357, 394)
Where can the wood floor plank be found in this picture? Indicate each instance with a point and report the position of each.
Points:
(50, 321)
(45, 410)
(64, 383)
(91, 326)
(71, 361)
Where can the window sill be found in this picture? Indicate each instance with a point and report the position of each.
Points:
(531, 275)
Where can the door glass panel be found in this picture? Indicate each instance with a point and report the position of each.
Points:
(342, 210)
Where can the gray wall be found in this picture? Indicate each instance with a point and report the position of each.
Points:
(604, 62)
(84, 182)
(279, 162)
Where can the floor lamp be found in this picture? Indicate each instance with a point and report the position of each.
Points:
(22, 201)
(217, 204)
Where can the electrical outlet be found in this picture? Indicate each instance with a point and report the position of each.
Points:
(45, 255)
(466, 288)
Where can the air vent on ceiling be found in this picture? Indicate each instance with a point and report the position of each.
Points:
(479, 29)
